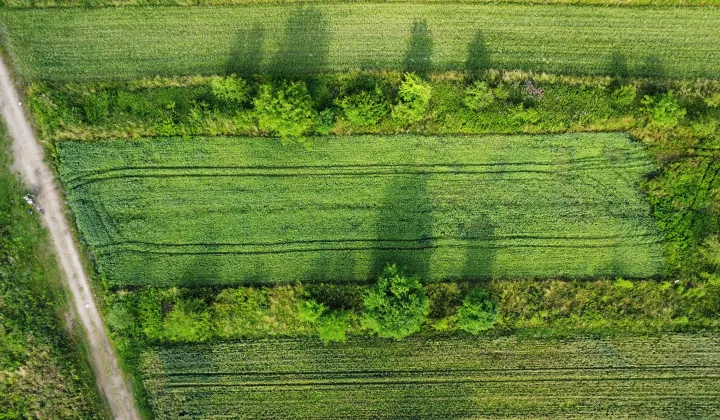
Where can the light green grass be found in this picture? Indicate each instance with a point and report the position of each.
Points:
(248, 210)
(122, 43)
(626, 377)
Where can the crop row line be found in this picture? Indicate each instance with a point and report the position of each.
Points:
(450, 170)
(85, 174)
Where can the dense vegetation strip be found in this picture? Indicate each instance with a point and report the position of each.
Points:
(248, 210)
(123, 43)
(679, 121)
(672, 376)
(43, 371)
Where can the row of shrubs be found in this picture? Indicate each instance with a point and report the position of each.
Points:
(399, 305)
(360, 103)
(396, 307)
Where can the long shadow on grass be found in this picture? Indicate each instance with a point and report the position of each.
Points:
(246, 55)
(617, 65)
(418, 57)
(404, 226)
(478, 56)
(651, 66)
(305, 45)
(333, 266)
(479, 234)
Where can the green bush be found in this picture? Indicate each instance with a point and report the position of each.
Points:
(188, 321)
(311, 310)
(624, 96)
(96, 107)
(711, 253)
(713, 101)
(663, 112)
(478, 312)
(285, 110)
(333, 325)
(120, 318)
(397, 306)
(364, 109)
(414, 96)
(478, 96)
(230, 89)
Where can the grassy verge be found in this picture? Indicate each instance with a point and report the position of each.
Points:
(43, 371)
(125, 43)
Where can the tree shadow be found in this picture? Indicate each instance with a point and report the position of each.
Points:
(333, 266)
(651, 67)
(305, 46)
(617, 65)
(479, 234)
(418, 57)
(478, 56)
(404, 227)
(246, 55)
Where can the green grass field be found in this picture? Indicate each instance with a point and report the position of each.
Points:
(677, 376)
(248, 210)
(122, 43)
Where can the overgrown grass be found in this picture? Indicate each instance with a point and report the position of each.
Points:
(247, 210)
(43, 371)
(125, 43)
(454, 377)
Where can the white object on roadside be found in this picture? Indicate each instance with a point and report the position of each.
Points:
(19, 103)
(87, 306)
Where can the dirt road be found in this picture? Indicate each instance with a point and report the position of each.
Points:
(29, 161)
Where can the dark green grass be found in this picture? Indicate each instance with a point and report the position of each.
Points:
(123, 43)
(248, 210)
(677, 376)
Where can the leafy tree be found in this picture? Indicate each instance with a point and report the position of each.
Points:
(333, 325)
(415, 97)
(189, 321)
(364, 109)
(478, 96)
(664, 112)
(285, 110)
(397, 306)
(230, 89)
(478, 312)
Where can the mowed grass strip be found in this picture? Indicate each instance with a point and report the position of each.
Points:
(124, 43)
(676, 376)
(248, 210)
